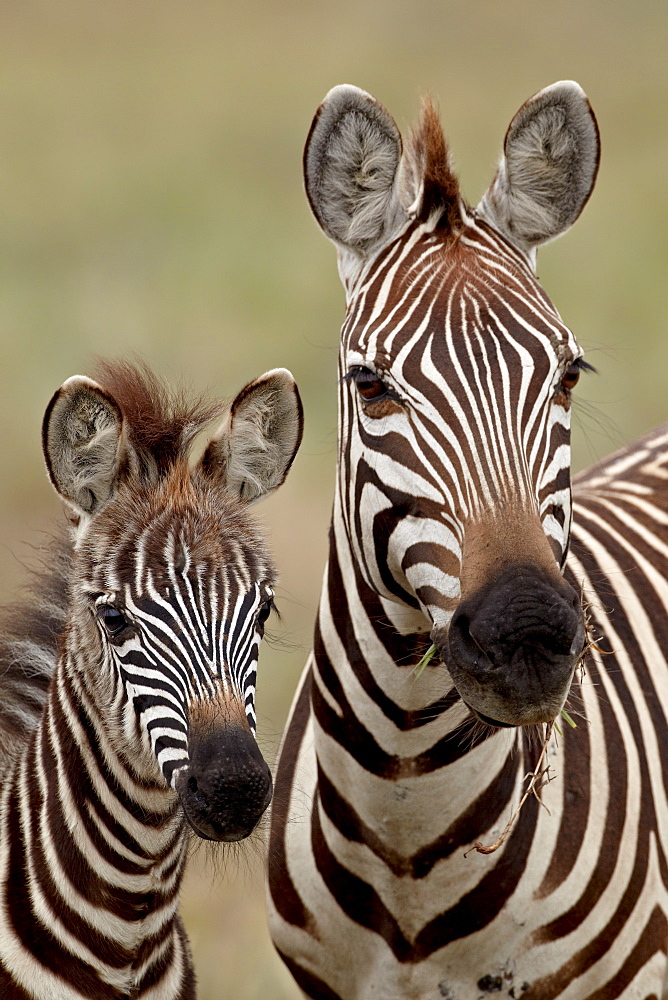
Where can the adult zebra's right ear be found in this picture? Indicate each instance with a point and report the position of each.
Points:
(254, 447)
(351, 159)
(81, 436)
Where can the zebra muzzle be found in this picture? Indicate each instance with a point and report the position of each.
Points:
(512, 647)
(226, 786)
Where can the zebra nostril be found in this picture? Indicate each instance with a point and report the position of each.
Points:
(198, 797)
(468, 648)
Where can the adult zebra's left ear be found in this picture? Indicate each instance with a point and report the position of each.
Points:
(255, 446)
(81, 435)
(548, 168)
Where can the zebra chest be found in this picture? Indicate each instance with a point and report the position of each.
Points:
(395, 858)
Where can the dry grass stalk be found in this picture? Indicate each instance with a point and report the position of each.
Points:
(540, 776)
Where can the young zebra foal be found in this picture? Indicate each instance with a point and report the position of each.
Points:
(127, 689)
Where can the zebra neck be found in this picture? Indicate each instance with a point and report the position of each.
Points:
(365, 667)
(97, 851)
(397, 743)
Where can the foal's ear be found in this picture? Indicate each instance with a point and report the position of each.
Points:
(351, 159)
(81, 435)
(548, 168)
(254, 447)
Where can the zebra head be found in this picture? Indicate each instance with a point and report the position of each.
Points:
(172, 581)
(456, 378)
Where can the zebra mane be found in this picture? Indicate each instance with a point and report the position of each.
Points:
(427, 168)
(160, 421)
(30, 631)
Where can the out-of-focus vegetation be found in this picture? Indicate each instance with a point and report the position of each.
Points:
(150, 179)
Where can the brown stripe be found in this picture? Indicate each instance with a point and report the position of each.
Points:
(609, 849)
(358, 900)
(10, 990)
(83, 789)
(482, 904)
(575, 808)
(405, 651)
(34, 937)
(283, 892)
(651, 940)
(480, 815)
(475, 910)
(313, 987)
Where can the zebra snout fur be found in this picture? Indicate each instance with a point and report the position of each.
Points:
(513, 646)
(226, 786)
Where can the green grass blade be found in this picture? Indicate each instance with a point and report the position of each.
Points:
(425, 660)
(568, 719)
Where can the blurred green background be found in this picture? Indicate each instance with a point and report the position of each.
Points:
(151, 202)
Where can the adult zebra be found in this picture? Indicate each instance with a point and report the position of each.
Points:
(127, 682)
(451, 520)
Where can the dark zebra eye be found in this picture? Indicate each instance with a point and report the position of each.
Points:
(371, 389)
(265, 611)
(570, 377)
(112, 619)
(369, 386)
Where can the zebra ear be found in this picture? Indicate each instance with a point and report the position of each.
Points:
(548, 168)
(81, 434)
(351, 158)
(254, 448)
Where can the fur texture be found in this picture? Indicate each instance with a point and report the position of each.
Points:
(256, 443)
(428, 182)
(549, 166)
(350, 163)
(362, 186)
(30, 633)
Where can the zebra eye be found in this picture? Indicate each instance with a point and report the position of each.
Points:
(371, 389)
(570, 377)
(112, 619)
(265, 611)
(369, 386)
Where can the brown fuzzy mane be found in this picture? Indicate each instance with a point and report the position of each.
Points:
(30, 631)
(160, 421)
(428, 163)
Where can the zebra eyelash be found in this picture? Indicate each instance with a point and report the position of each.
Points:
(570, 376)
(362, 375)
(358, 372)
(584, 366)
(266, 609)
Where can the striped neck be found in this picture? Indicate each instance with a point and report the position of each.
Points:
(366, 665)
(400, 743)
(98, 850)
